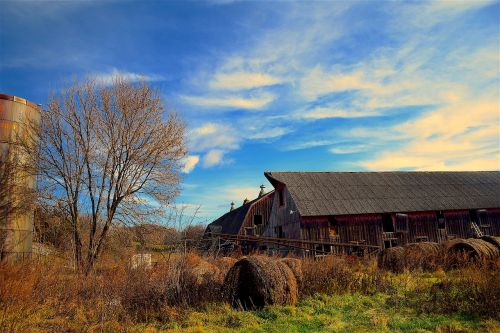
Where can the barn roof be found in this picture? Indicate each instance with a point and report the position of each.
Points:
(345, 193)
(230, 223)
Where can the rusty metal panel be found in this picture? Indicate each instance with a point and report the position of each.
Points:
(16, 225)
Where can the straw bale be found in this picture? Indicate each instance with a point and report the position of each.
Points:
(257, 281)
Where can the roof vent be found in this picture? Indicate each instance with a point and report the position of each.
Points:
(245, 201)
(262, 192)
(232, 206)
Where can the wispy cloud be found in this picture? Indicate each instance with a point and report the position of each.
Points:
(231, 102)
(107, 78)
(213, 140)
(460, 136)
(332, 112)
(213, 157)
(242, 80)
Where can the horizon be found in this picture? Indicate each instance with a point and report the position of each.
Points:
(322, 86)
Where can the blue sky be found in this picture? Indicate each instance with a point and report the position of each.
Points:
(282, 85)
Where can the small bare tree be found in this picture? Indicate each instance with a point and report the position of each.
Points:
(108, 154)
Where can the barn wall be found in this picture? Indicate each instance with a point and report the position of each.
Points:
(458, 223)
(260, 207)
(422, 226)
(489, 221)
(280, 216)
(315, 228)
(367, 228)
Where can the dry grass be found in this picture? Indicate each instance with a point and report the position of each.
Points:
(46, 296)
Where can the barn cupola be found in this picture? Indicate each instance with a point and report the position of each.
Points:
(232, 206)
(262, 192)
(246, 201)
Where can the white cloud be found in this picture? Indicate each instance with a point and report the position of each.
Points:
(426, 14)
(321, 82)
(213, 136)
(238, 194)
(107, 78)
(213, 157)
(309, 144)
(332, 112)
(349, 148)
(242, 80)
(251, 103)
(267, 133)
(215, 141)
(460, 136)
(190, 162)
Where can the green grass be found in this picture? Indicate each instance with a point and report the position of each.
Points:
(321, 313)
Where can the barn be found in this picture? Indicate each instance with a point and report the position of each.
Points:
(382, 209)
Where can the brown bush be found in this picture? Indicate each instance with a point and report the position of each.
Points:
(256, 281)
(334, 274)
(474, 290)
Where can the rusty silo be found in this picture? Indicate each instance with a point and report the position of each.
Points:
(17, 116)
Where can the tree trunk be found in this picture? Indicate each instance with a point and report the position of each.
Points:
(78, 249)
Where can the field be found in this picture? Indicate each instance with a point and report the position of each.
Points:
(183, 294)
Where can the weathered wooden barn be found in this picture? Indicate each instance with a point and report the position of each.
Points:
(383, 209)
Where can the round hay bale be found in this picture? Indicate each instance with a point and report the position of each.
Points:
(256, 281)
(392, 259)
(451, 242)
(296, 266)
(492, 240)
(422, 255)
(475, 249)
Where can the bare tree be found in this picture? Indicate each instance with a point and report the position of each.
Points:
(110, 154)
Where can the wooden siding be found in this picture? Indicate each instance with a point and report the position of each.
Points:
(458, 223)
(422, 227)
(287, 217)
(261, 207)
(315, 228)
(360, 228)
(489, 221)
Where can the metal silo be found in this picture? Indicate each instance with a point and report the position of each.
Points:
(17, 116)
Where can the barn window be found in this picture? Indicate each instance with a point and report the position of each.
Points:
(401, 223)
(279, 231)
(440, 218)
(387, 224)
(473, 215)
(281, 197)
(257, 219)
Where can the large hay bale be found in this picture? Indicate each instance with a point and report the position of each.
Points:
(296, 266)
(256, 281)
(492, 240)
(424, 255)
(475, 249)
(392, 259)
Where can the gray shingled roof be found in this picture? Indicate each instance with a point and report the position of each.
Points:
(342, 193)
